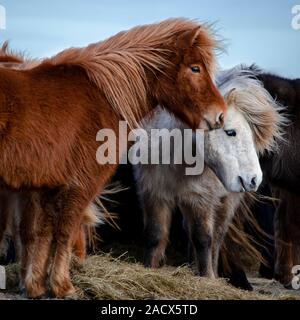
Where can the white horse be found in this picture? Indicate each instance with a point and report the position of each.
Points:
(208, 201)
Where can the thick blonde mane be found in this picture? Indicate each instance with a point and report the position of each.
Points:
(264, 115)
(118, 65)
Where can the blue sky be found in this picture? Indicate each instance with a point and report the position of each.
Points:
(255, 31)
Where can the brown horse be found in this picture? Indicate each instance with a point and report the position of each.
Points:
(50, 116)
(10, 210)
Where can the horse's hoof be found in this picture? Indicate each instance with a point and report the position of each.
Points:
(64, 290)
(148, 265)
(24, 294)
(266, 272)
(248, 287)
(36, 295)
(242, 284)
(285, 281)
(35, 289)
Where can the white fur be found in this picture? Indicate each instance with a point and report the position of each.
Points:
(234, 159)
(229, 157)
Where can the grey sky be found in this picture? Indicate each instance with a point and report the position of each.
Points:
(256, 31)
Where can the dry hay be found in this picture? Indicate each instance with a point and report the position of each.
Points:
(104, 277)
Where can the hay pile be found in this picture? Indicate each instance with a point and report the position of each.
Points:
(104, 277)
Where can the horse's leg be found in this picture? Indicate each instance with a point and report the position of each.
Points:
(293, 229)
(36, 238)
(200, 235)
(27, 229)
(15, 223)
(283, 245)
(222, 219)
(220, 230)
(12, 228)
(190, 248)
(237, 275)
(79, 244)
(4, 214)
(157, 221)
(36, 279)
(73, 204)
(287, 237)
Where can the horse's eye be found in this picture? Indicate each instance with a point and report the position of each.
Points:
(195, 69)
(231, 133)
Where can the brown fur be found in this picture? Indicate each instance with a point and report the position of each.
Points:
(281, 170)
(10, 59)
(50, 116)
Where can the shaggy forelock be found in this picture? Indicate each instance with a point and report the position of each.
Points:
(264, 115)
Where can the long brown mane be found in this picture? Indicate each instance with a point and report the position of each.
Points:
(123, 59)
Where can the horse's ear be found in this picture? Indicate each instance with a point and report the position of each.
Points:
(230, 97)
(188, 38)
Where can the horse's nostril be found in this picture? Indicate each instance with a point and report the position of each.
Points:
(253, 182)
(242, 183)
(247, 184)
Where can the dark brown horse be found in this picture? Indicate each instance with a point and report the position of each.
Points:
(283, 172)
(50, 115)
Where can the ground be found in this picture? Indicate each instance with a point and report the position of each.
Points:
(106, 277)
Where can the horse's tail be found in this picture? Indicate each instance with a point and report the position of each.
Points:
(240, 246)
(96, 214)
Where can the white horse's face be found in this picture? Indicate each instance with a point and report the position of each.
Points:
(231, 153)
